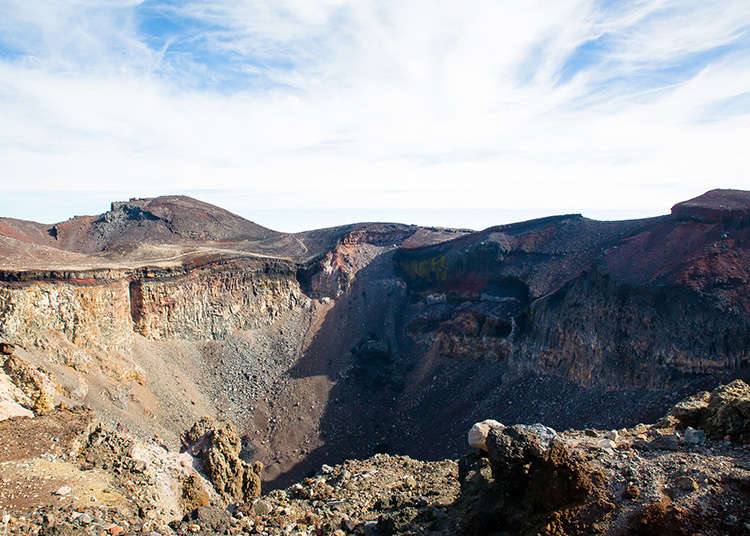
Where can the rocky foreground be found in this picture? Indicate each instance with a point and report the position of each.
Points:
(62, 474)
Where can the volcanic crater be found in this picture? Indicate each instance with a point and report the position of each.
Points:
(344, 342)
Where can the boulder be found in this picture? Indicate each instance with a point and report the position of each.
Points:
(694, 436)
(209, 517)
(691, 410)
(529, 480)
(63, 491)
(261, 508)
(193, 495)
(478, 433)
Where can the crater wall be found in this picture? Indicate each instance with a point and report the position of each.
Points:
(211, 302)
(103, 309)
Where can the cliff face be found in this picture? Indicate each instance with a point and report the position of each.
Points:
(195, 303)
(213, 301)
(597, 331)
(130, 343)
(93, 315)
(569, 321)
(641, 304)
(332, 274)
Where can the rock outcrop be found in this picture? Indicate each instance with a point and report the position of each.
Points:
(723, 413)
(646, 480)
(162, 220)
(218, 447)
(33, 383)
(536, 482)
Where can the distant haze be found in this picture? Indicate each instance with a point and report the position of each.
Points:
(58, 206)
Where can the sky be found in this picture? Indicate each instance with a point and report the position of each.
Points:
(306, 113)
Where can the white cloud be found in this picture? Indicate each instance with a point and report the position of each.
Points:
(405, 104)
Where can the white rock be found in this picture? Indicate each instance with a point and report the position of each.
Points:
(435, 298)
(64, 491)
(11, 408)
(479, 432)
(612, 434)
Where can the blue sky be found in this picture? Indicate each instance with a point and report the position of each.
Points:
(296, 110)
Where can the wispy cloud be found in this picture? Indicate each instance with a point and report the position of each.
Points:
(568, 104)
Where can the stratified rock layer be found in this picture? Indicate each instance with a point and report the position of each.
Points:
(214, 300)
(89, 313)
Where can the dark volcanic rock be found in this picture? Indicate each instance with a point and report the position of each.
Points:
(596, 330)
(579, 483)
(715, 206)
(554, 319)
(536, 482)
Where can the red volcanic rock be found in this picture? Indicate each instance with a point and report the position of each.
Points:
(715, 206)
(162, 220)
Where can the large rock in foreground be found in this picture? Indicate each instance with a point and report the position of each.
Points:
(478, 433)
(647, 480)
(530, 479)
